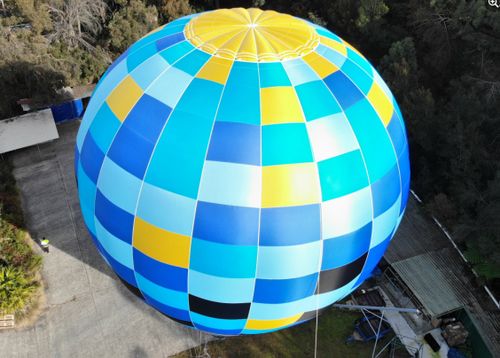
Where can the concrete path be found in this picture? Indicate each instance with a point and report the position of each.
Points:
(88, 313)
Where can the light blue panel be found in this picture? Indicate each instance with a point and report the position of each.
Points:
(148, 71)
(136, 58)
(373, 139)
(103, 89)
(220, 324)
(116, 248)
(346, 214)
(299, 72)
(104, 127)
(166, 210)
(192, 62)
(268, 311)
(357, 75)
(169, 86)
(231, 184)
(178, 160)
(324, 32)
(360, 61)
(220, 289)
(223, 260)
(241, 99)
(119, 186)
(331, 55)
(289, 309)
(86, 193)
(331, 136)
(176, 52)
(281, 262)
(385, 223)
(173, 298)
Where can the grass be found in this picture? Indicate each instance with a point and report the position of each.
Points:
(19, 264)
(333, 329)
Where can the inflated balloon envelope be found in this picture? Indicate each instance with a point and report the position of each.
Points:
(242, 169)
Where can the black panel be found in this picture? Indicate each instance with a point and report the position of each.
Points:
(131, 288)
(186, 323)
(217, 309)
(332, 279)
(306, 316)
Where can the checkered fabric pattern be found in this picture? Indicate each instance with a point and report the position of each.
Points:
(238, 196)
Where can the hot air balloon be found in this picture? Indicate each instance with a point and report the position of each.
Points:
(242, 169)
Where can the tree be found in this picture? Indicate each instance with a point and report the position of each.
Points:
(78, 22)
(131, 23)
(170, 10)
(370, 10)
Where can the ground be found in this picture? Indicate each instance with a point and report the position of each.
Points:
(88, 312)
(334, 326)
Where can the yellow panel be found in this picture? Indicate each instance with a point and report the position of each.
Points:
(280, 105)
(289, 185)
(259, 324)
(381, 103)
(251, 34)
(124, 97)
(161, 245)
(334, 45)
(321, 65)
(216, 69)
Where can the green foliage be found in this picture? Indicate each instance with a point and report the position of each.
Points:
(18, 263)
(130, 23)
(369, 11)
(170, 10)
(16, 289)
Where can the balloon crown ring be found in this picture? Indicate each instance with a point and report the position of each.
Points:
(252, 35)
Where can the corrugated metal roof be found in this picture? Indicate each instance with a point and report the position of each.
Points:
(428, 283)
(27, 130)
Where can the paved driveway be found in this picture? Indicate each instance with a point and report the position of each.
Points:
(88, 312)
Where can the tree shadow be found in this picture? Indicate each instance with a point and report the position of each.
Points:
(22, 79)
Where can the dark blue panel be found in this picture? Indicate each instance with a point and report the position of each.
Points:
(222, 332)
(292, 225)
(396, 133)
(117, 221)
(343, 89)
(385, 191)
(147, 118)
(226, 224)
(235, 142)
(373, 259)
(91, 158)
(131, 151)
(282, 291)
(169, 311)
(172, 277)
(340, 251)
(75, 163)
(168, 41)
(122, 271)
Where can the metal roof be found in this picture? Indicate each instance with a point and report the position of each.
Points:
(424, 276)
(27, 130)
